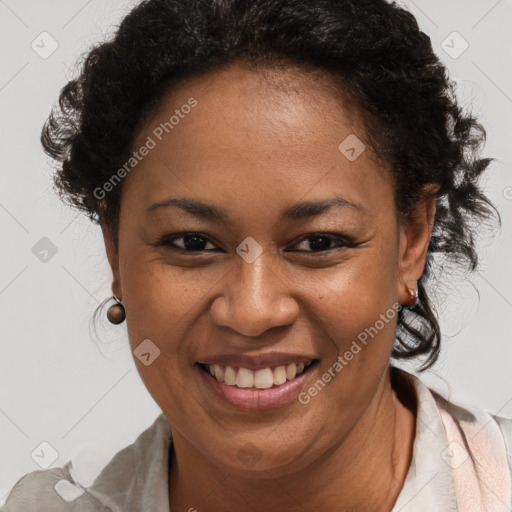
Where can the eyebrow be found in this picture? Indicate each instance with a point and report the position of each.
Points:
(299, 211)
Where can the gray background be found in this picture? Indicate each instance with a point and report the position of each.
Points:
(85, 398)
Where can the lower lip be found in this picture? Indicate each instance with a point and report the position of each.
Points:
(257, 398)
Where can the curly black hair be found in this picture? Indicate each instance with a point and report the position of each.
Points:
(373, 47)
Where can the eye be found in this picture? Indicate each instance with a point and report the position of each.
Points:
(197, 242)
(192, 242)
(321, 242)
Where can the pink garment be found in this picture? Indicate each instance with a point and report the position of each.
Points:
(482, 481)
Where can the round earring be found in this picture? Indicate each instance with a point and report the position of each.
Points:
(116, 314)
(413, 292)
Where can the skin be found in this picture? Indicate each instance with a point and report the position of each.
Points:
(257, 142)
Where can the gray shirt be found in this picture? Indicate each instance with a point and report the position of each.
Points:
(136, 478)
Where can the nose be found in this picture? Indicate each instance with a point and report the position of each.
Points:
(254, 298)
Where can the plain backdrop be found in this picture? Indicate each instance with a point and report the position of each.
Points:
(84, 397)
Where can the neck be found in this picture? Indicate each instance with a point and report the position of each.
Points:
(364, 472)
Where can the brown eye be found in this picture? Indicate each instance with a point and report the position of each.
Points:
(321, 242)
(191, 242)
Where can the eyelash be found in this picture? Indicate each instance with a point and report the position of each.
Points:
(168, 240)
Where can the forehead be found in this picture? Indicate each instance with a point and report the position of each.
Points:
(263, 136)
(279, 100)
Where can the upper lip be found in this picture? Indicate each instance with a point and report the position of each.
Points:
(257, 361)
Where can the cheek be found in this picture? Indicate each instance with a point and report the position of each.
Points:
(161, 303)
(362, 335)
(356, 315)
(352, 297)
(356, 311)
(159, 297)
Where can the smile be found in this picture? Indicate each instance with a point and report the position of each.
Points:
(259, 388)
(263, 378)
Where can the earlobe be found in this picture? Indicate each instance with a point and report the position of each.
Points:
(407, 277)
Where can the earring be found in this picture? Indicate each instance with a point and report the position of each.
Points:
(413, 292)
(116, 314)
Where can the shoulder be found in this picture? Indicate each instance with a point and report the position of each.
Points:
(36, 491)
(505, 426)
(486, 433)
(462, 452)
(484, 436)
(124, 479)
(478, 450)
(477, 422)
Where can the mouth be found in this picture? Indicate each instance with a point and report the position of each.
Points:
(264, 378)
(260, 388)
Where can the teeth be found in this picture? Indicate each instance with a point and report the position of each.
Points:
(230, 376)
(245, 378)
(263, 379)
(219, 372)
(279, 375)
(259, 379)
(291, 371)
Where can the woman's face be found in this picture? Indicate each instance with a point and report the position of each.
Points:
(269, 281)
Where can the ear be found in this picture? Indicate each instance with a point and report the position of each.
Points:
(112, 256)
(415, 233)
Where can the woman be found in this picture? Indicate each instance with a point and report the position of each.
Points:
(275, 183)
